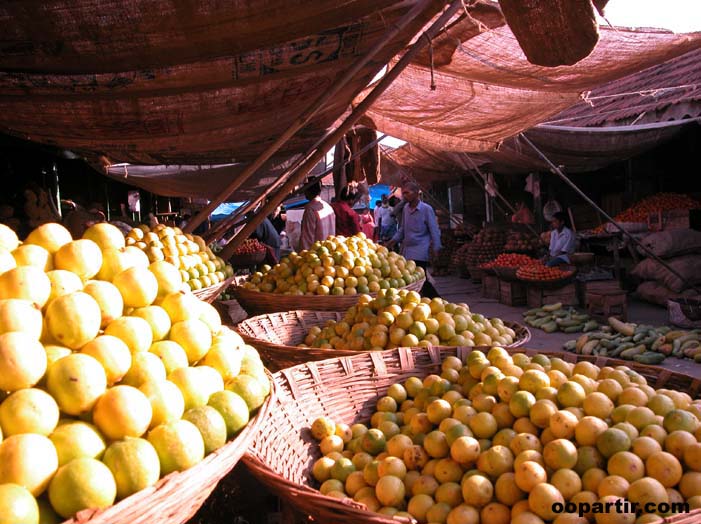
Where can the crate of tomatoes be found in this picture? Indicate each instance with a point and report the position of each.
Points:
(538, 274)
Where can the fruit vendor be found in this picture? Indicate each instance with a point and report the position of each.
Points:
(318, 220)
(268, 235)
(347, 221)
(418, 233)
(562, 241)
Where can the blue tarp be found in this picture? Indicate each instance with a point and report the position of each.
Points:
(224, 210)
(376, 193)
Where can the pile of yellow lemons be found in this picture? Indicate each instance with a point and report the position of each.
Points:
(337, 266)
(111, 375)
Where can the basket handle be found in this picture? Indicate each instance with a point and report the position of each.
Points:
(406, 359)
(378, 363)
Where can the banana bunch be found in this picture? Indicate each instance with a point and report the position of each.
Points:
(553, 317)
(639, 342)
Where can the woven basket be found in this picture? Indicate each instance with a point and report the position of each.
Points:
(277, 335)
(178, 496)
(549, 284)
(346, 389)
(476, 273)
(209, 294)
(258, 303)
(247, 259)
(507, 273)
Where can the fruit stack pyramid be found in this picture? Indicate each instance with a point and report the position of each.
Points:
(485, 247)
(337, 266)
(198, 264)
(521, 241)
(112, 376)
(660, 202)
(502, 438)
(404, 319)
(510, 260)
(441, 262)
(541, 273)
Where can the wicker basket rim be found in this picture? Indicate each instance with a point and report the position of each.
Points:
(516, 326)
(348, 506)
(231, 452)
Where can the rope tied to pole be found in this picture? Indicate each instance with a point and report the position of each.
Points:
(557, 171)
(430, 57)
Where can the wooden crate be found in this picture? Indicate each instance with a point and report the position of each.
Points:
(490, 287)
(512, 293)
(538, 296)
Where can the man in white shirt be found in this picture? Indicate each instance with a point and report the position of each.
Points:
(562, 241)
(319, 219)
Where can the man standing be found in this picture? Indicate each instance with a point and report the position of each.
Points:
(318, 221)
(418, 233)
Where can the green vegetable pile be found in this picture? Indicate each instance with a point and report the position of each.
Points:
(638, 342)
(553, 317)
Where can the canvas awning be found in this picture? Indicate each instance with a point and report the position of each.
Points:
(615, 121)
(186, 82)
(489, 92)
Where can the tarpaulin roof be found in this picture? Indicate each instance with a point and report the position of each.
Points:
(490, 92)
(198, 88)
(669, 91)
(185, 81)
(616, 121)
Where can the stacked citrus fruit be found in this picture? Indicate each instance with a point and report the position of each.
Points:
(337, 266)
(401, 318)
(502, 438)
(112, 376)
(199, 267)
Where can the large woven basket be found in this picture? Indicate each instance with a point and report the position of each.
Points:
(507, 273)
(346, 389)
(276, 336)
(178, 496)
(209, 294)
(257, 302)
(247, 259)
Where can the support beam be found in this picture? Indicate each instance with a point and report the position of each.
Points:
(499, 195)
(229, 221)
(296, 177)
(309, 113)
(557, 171)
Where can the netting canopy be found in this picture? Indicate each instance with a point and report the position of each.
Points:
(615, 121)
(185, 81)
(490, 92)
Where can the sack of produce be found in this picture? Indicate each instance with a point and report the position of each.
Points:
(673, 243)
(687, 266)
(657, 293)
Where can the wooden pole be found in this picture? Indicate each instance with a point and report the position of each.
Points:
(309, 113)
(557, 171)
(251, 204)
(332, 138)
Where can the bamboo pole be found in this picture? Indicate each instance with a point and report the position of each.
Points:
(251, 204)
(557, 171)
(309, 113)
(332, 138)
(501, 197)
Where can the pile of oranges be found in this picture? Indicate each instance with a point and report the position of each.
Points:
(502, 438)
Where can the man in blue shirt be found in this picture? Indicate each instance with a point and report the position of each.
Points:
(418, 232)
